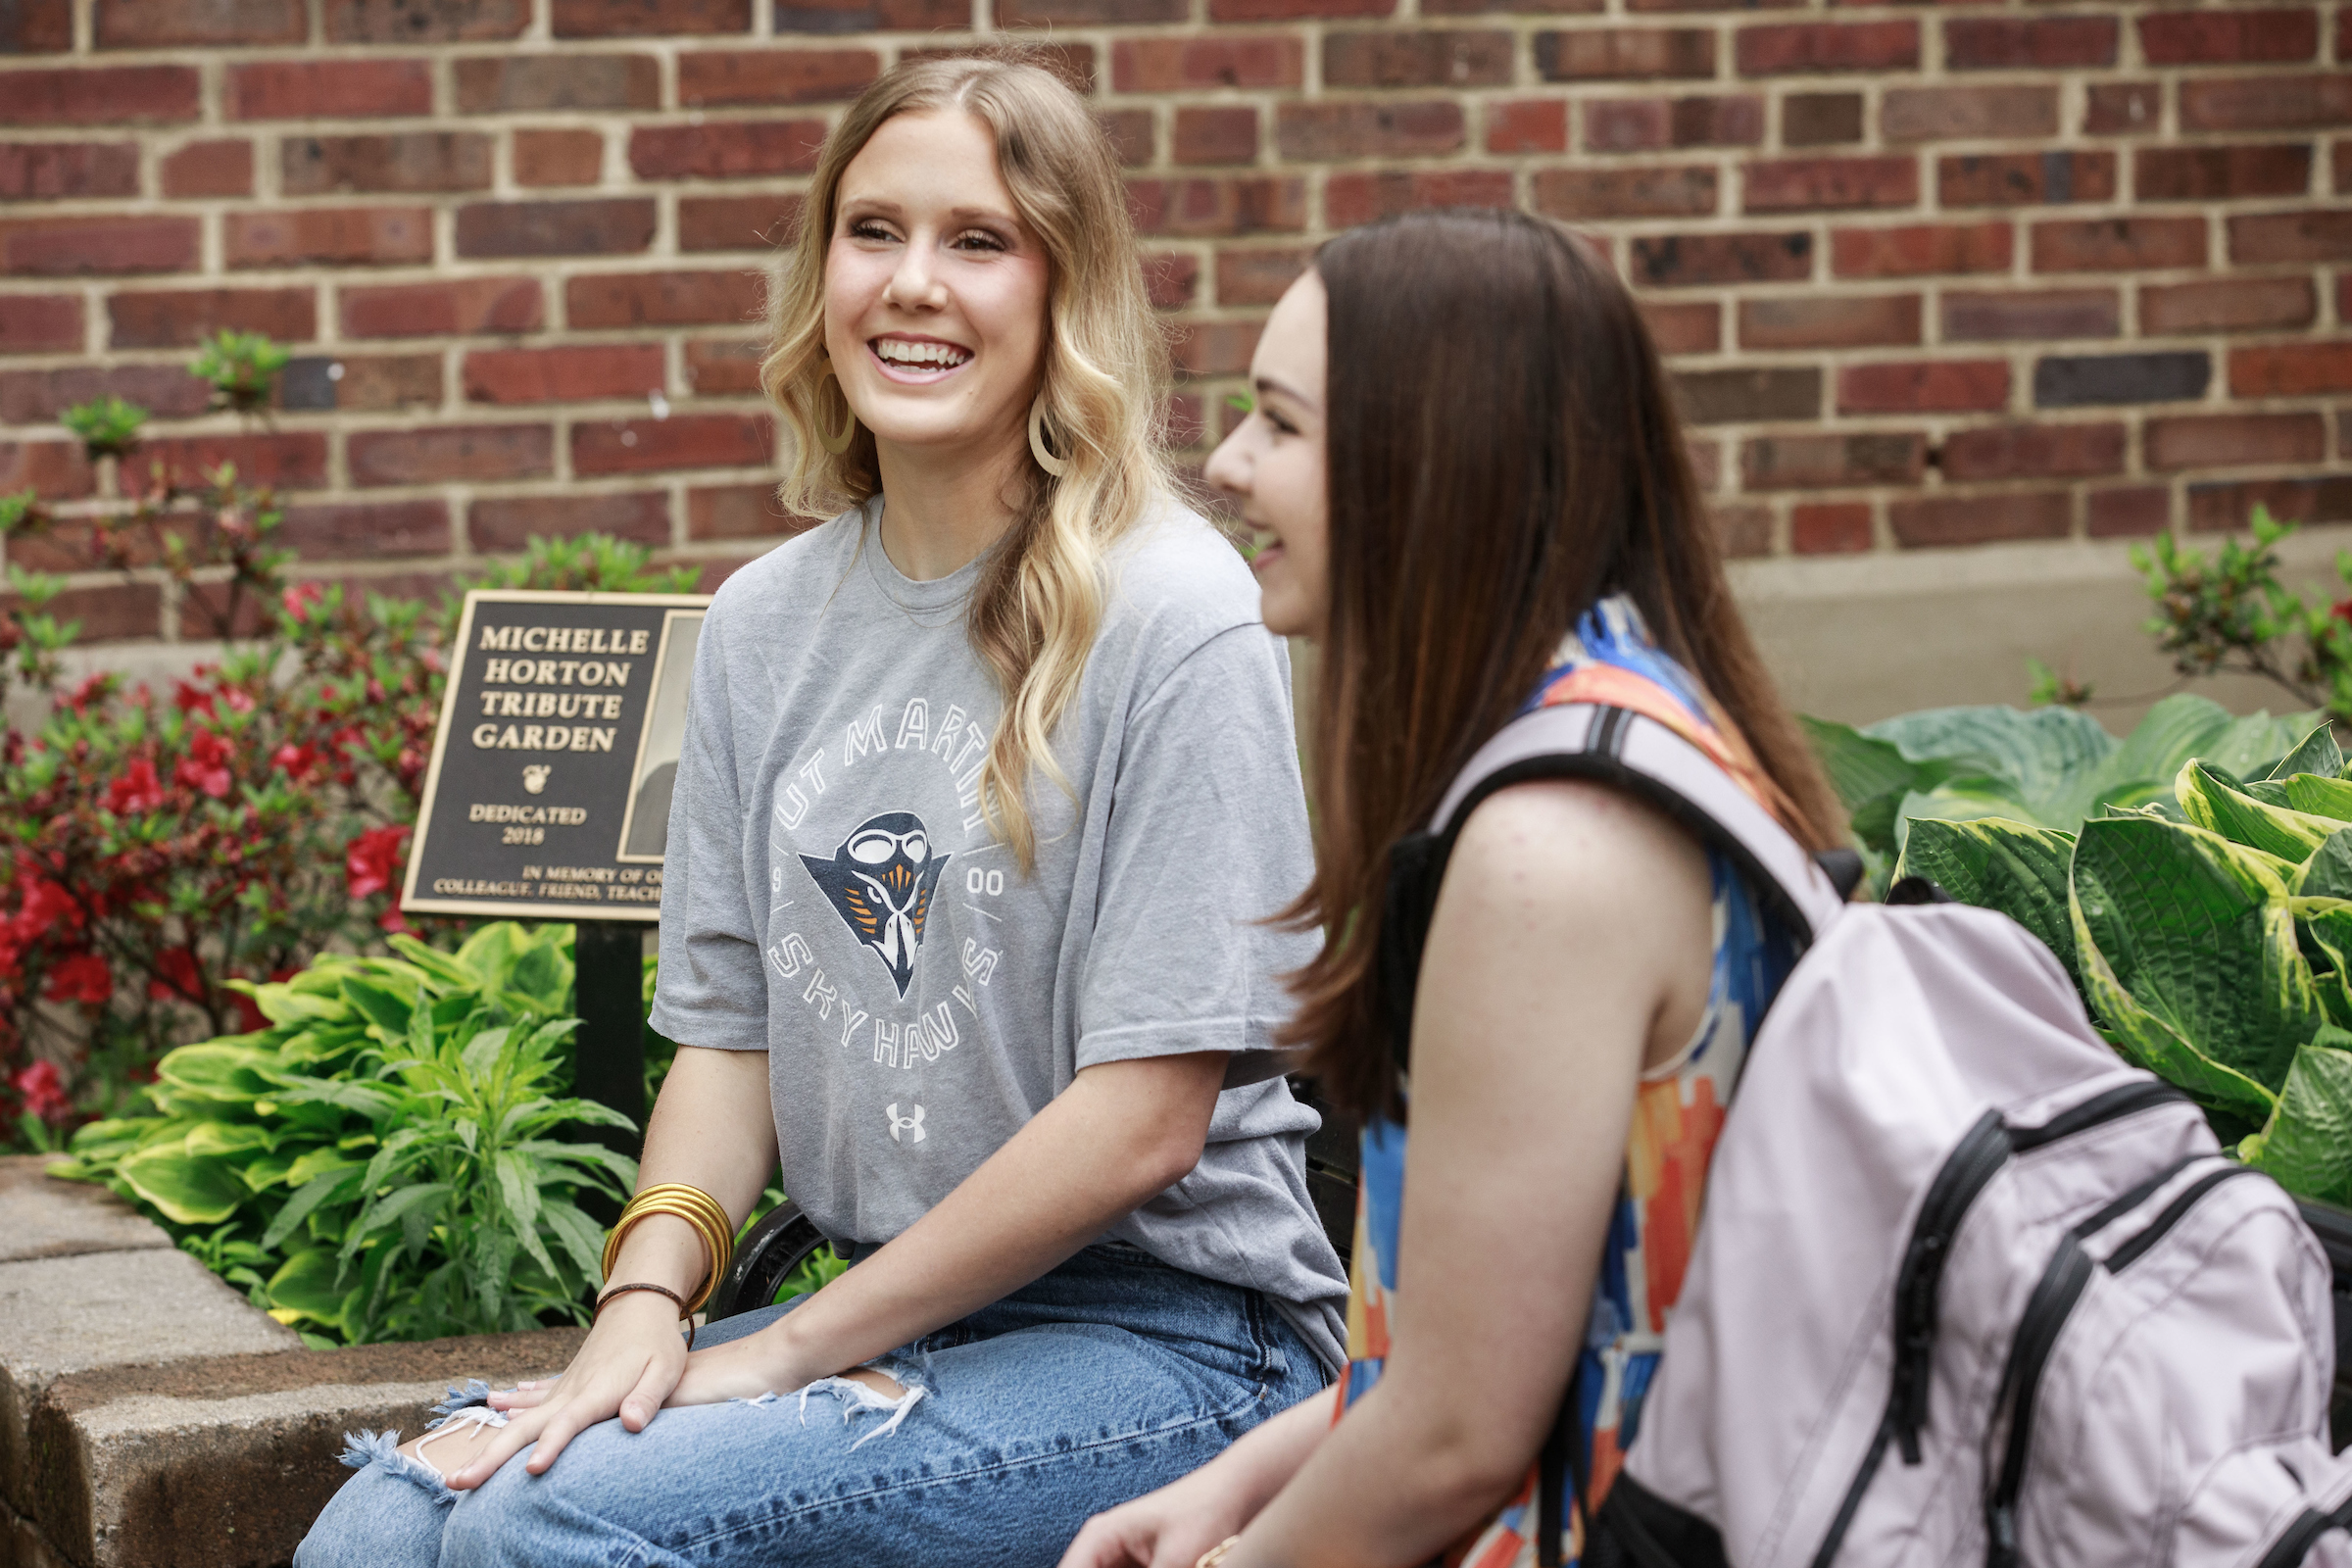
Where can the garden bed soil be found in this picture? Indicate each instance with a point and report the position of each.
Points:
(150, 1417)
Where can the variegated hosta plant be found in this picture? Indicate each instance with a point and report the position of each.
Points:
(2211, 937)
(392, 1158)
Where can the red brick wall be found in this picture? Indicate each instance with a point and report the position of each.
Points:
(1929, 275)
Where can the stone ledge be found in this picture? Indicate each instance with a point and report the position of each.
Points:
(152, 1417)
(63, 1315)
(65, 1219)
(225, 1462)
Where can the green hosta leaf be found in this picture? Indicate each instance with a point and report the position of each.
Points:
(488, 956)
(2188, 949)
(443, 969)
(316, 1164)
(189, 1188)
(1972, 798)
(1870, 775)
(2044, 756)
(382, 1007)
(542, 973)
(281, 1003)
(2251, 745)
(2177, 728)
(2316, 796)
(217, 1071)
(2015, 867)
(2328, 874)
(219, 1139)
(2216, 807)
(2307, 1144)
(305, 1288)
(267, 1171)
(2324, 926)
(2317, 753)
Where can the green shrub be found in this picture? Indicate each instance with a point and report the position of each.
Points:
(2051, 767)
(2212, 943)
(385, 1159)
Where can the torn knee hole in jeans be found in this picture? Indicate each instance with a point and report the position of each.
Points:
(859, 1392)
(464, 1410)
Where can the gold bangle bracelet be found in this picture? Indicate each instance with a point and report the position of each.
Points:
(692, 1205)
(1216, 1553)
(699, 1209)
(714, 1239)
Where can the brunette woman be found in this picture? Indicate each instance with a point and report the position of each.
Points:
(987, 791)
(1476, 500)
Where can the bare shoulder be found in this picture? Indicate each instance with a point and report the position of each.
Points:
(1568, 843)
(1573, 900)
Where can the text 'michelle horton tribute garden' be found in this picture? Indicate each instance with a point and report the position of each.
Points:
(208, 997)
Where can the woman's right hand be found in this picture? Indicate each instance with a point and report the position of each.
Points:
(632, 1359)
(1171, 1528)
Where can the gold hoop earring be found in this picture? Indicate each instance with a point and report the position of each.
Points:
(1045, 460)
(838, 444)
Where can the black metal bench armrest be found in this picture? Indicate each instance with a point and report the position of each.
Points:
(768, 1253)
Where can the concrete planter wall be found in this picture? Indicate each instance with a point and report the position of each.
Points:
(150, 1417)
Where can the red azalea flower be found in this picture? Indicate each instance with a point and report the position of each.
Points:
(84, 977)
(206, 766)
(189, 700)
(373, 862)
(297, 760)
(89, 690)
(301, 597)
(176, 976)
(137, 792)
(48, 910)
(44, 1091)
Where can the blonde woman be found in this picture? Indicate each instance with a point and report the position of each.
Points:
(987, 790)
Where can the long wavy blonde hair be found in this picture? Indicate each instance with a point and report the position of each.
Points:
(1104, 385)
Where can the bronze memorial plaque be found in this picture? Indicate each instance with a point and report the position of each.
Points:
(549, 790)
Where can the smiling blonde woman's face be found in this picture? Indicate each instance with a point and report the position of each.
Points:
(935, 290)
(1273, 464)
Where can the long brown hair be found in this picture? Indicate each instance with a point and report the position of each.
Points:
(1104, 382)
(1502, 453)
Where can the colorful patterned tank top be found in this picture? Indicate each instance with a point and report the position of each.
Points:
(1677, 1114)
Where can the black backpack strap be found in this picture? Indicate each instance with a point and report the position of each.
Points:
(1612, 746)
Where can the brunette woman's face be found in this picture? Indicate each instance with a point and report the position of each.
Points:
(935, 290)
(1273, 466)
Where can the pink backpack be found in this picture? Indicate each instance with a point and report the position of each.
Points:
(1968, 1288)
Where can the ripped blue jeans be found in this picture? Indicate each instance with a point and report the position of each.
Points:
(1109, 1377)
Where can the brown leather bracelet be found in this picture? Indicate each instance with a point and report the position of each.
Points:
(678, 1300)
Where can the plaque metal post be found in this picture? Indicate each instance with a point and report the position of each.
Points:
(608, 986)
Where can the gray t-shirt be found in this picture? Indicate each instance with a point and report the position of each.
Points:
(832, 896)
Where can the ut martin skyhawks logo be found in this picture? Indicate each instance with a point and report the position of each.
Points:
(880, 881)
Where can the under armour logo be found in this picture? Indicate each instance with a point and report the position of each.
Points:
(905, 1124)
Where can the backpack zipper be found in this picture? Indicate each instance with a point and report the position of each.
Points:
(2054, 1295)
(1965, 1173)
(2061, 1287)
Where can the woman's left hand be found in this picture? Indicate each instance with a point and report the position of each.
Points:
(740, 1369)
